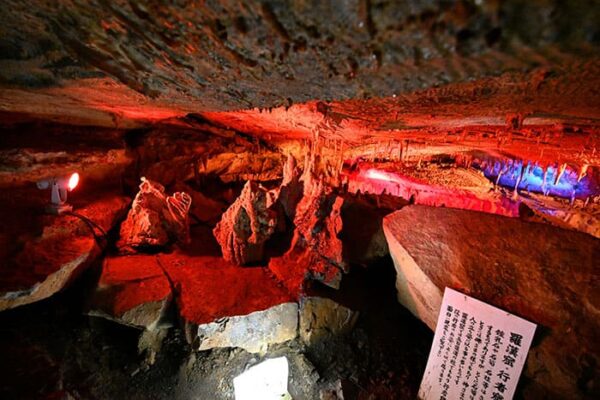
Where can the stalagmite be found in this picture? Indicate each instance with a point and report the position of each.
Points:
(246, 225)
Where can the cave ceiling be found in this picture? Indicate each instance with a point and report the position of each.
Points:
(513, 76)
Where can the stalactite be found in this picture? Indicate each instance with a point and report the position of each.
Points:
(582, 172)
(560, 172)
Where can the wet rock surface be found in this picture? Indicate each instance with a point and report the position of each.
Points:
(541, 273)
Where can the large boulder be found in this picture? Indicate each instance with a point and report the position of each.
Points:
(223, 305)
(132, 290)
(246, 225)
(66, 246)
(155, 219)
(545, 274)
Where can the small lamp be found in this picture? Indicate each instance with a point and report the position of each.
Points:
(58, 192)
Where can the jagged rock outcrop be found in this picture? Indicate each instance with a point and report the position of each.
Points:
(318, 223)
(544, 274)
(155, 219)
(67, 245)
(246, 225)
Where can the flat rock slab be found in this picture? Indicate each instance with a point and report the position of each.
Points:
(544, 274)
(132, 290)
(230, 306)
(210, 288)
(253, 332)
(66, 245)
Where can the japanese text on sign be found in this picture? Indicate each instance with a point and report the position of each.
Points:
(478, 351)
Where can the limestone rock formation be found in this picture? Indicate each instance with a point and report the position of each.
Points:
(155, 219)
(291, 189)
(253, 332)
(318, 222)
(179, 150)
(246, 225)
(316, 251)
(132, 290)
(383, 48)
(318, 225)
(67, 245)
(322, 318)
(544, 274)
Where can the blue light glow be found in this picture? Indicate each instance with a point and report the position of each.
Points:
(532, 178)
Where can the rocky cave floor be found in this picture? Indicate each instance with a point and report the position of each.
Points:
(52, 351)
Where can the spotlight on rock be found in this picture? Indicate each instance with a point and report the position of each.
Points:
(265, 381)
(58, 192)
(378, 175)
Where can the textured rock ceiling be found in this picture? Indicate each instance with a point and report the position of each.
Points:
(431, 71)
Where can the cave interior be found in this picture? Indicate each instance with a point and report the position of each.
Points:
(190, 188)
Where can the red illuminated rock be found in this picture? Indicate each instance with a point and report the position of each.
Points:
(541, 273)
(204, 208)
(316, 251)
(246, 225)
(67, 245)
(318, 223)
(218, 303)
(132, 290)
(476, 195)
(178, 150)
(223, 305)
(155, 219)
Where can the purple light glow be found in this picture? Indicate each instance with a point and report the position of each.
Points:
(554, 180)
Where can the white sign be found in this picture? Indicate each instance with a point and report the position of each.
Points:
(478, 351)
(265, 381)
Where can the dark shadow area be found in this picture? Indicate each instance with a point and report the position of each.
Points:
(384, 357)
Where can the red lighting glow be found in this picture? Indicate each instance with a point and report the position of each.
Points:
(378, 175)
(73, 181)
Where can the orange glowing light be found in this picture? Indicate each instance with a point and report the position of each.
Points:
(73, 181)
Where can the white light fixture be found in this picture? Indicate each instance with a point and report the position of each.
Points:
(58, 192)
(265, 381)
